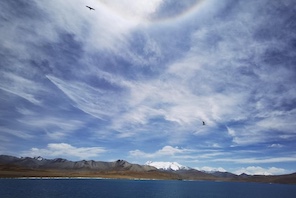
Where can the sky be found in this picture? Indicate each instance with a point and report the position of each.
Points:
(134, 80)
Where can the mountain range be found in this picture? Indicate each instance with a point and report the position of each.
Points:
(12, 167)
(63, 164)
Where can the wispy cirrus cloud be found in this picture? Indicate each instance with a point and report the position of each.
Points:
(96, 102)
(252, 160)
(53, 127)
(20, 86)
(16, 133)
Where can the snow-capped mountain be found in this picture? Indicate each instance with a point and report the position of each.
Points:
(167, 165)
(39, 158)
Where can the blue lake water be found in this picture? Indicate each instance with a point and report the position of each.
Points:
(85, 188)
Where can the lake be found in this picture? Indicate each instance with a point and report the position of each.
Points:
(85, 188)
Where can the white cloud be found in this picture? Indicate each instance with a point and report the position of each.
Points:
(248, 135)
(131, 9)
(211, 169)
(275, 146)
(210, 154)
(165, 151)
(167, 99)
(169, 150)
(264, 129)
(231, 132)
(279, 122)
(102, 29)
(257, 170)
(65, 150)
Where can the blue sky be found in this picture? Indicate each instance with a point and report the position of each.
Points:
(134, 80)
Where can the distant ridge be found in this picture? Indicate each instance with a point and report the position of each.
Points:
(60, 163)
(13, 167)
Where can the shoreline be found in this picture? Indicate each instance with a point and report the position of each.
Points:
(87, 178)
(138, 179)
(21, 173)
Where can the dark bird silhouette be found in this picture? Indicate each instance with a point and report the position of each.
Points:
(203, 123)
(90, 8)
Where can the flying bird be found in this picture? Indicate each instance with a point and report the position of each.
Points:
(90, 8)
(203, 123)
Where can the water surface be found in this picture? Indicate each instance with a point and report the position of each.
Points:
(85, 188)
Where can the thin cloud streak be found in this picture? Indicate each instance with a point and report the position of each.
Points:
(22, 87)
(85, 98)
(53, 126)
(256, 161)
(16, 133)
